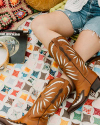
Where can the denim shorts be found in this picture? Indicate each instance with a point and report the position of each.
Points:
(88, 18)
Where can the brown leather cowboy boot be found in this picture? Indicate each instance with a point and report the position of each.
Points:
(46, 104)
(74, 67)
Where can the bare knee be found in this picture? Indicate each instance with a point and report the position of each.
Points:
(38, 24)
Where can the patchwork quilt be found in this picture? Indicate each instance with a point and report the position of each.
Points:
(20, 85)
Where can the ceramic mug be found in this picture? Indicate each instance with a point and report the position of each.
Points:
(4, 56)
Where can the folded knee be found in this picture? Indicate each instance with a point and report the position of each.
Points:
(37, 23)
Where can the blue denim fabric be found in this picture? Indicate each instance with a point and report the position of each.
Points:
(87, 18)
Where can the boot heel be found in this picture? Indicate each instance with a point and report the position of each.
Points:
(96, 85)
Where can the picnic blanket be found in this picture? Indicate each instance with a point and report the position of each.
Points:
(20, 85)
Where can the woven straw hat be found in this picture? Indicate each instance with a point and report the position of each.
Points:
(42, 5)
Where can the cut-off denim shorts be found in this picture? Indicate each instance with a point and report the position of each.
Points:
(88, 18)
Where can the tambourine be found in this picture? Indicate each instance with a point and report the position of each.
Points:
(4, 56)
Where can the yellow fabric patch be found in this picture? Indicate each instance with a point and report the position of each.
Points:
(30, 47)
(63, 122)
(54, 65)
(27, 69)
(24, 96)
(2, 77)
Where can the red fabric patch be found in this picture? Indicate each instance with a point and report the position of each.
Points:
(59, 74)
(89, 102)
(2, 97)
(88, 111)
(19, 84)
(15, 73)
(14, 92)
(68, 104)
(27, 54)
(96, 111)
(41, 57)
(49, 77)
(1, 3)
(58, 111)
(27, 24)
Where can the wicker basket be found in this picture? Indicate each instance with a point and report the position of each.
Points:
(43, 5)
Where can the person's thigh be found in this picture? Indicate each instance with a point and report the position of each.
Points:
(62, 22)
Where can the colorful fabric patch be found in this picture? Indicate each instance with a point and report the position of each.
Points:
(38, 66)
(63, 122)
(35, 74)
(27, 69)
(6, 89)
(19, 66)
(86, 118)
(19, 104)
(54, 64)
(24, 96)
(5, 109)
(39, 43)
(96, 111)
(79, 109)
(20, 14)
(27, 87)
(14, 93)
(5, 20)
(87, 110)
(10, 101)
(27, 24)
(27, 54)
(97, 121)
(49, 77)
(52, 72)
(46, 67)
(2, 77)
(30, 79)
(30, 47)
(23, 75)
(31, 100)
(2, 96)
(68, 104)
(19, 84)
(43, 52)
(28, 107)
(58, 111)
(43, 75)
(59, 74)
(35, 92)
(89, 102)
(41, 57)
(29, 39)
(65, 114)
(2, 4)
(77, 116)
(15, 73)
(36, 48)
(14, 3)
(48, 61)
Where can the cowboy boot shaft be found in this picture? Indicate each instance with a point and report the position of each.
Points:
(53, 94)
(70, 61)
(74, 67)
(46, 104)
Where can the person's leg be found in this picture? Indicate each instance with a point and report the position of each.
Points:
(51, 25)
(87, 44)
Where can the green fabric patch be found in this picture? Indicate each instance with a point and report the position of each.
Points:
(77, 116)
(96, 121)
